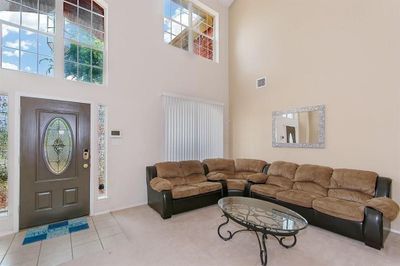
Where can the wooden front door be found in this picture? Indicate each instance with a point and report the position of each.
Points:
(54, 161)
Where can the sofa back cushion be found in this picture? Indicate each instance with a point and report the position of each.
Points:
(193, 172)
(172, 172)
(350, 195)
(354, 180)
(192, 168)
(284, 169)
(220, 165)
(280, 181)
(310, 187)
(249, 165)
(169, 169)
(313, 179)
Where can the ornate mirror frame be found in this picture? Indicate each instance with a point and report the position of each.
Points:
(321, 142)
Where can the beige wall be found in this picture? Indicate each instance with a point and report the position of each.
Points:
(141, 68)
(344, 54)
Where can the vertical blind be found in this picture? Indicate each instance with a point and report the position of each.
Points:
(194, 130)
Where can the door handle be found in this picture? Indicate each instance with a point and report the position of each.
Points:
(85, 165)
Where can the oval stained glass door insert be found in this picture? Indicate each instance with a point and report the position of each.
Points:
(58, 145)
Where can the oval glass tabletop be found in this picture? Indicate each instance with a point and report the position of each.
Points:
(262, 215)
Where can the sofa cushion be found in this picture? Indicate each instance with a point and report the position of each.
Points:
(310, 187)
(185, 191)
(226, 173)
(351, 195)
(298, 197)
(206, 187)
(362, 181)
(191, 168)
(217, 177)
(266, 190)
(169, 169)
(344, 209)
(242, 175)
(388, 207)
(160, 184)
(176, 181)
(320, 175)
(249, 165)
(259, 178)
(284, 169)
(219, 165)
(280, 181)
(195, 178)
(236, 184)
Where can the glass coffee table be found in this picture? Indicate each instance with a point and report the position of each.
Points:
(263, 218)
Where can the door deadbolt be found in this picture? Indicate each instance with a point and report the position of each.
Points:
(86, 154)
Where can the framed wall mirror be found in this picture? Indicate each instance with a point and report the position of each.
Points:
(299, 128)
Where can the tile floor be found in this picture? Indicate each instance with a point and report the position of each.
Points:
(103, 231)
(138, 236)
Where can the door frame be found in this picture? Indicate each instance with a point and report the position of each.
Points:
(16, 186)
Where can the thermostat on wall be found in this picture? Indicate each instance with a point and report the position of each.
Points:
(115, 133)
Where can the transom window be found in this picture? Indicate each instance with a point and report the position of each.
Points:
(190, 27)
(27, 35)
(83, 41)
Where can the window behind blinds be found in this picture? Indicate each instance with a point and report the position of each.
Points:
(193, 129)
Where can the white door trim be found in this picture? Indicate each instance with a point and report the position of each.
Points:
(15, 183)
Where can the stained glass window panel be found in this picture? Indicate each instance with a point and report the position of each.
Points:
(3, 153)
(58, 146)
(102, 150)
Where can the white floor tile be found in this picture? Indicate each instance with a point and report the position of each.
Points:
(109, 231)
(56, 245)
(56, 258)
(21, 256)
(84, 236)
(87, 249)
(114, 242)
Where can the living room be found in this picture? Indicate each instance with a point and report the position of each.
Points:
(90, 101)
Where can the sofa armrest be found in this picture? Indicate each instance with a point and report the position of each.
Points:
(259, 178)
(383, 187)
(217, 177)
(388, 207)
(151, 172)
(160, 184)
(373, 228)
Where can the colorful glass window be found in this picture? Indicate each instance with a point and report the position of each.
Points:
(58, 146)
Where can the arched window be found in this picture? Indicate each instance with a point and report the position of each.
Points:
(84, 32)
(27, 35)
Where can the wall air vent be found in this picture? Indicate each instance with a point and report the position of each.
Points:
(261, 83)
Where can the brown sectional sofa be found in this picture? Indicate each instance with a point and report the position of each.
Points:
(353, 203)
(236, 173)
(174, 187)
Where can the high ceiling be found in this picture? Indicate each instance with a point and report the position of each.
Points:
(227, 2)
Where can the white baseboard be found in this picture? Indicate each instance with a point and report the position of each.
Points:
(392, 230)
(6, 233)
(120, 208)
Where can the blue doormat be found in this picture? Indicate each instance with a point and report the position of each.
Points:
(54, 230)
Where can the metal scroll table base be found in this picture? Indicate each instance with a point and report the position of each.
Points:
(262, 235)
